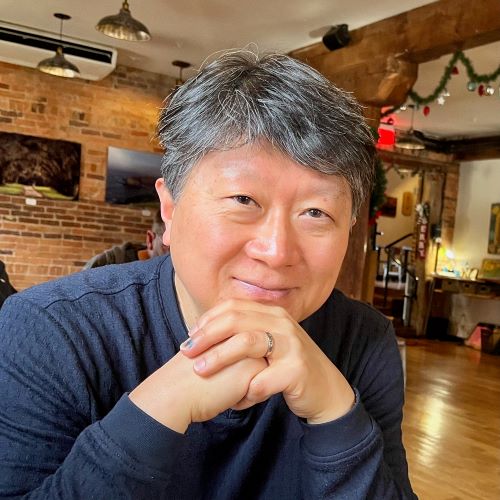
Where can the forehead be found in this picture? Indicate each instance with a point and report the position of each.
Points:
(263, 165)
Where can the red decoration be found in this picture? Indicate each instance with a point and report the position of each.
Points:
(373, 219)
(427, 110)
(454, 71)
(386, 134)
(480, 90)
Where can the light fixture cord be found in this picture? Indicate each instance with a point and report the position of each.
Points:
(412, 116)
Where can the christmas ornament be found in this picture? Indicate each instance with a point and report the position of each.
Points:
(480, 90)
(427, 110)
(471, 86)
(454, 71)
(445, 93)
(441, 100)
(490, 90)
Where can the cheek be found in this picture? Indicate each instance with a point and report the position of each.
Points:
(203, 238)
(327, 260)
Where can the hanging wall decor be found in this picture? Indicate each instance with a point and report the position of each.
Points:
(131, 176)
(494, 232)
(39, 168)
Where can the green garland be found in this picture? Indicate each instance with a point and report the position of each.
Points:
(473, 77)
(378, 197)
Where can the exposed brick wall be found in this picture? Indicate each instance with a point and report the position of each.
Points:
(53, 238)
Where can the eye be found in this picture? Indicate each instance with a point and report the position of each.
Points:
(244, 200)
(316, 213)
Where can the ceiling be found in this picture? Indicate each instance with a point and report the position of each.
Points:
(192, 30)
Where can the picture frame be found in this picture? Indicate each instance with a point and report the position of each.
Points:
(389, 208)
(37, 167)
(131, 176)
(494, 231)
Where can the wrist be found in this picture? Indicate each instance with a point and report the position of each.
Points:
(165, 407)
(341, 406)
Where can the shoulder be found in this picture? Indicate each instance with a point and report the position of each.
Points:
(120, 254)
(102, 281)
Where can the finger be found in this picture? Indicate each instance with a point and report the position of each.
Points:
(243, 345)
(266, 383)
(234, 305)
(226, 325)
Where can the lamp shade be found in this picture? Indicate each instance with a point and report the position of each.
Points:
(123, 26)
(408, 140)
(58, 65)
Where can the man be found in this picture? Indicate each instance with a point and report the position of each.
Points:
(129, 252)
(231, 368)
(6, 288)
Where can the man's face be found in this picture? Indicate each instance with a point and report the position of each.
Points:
(253, 224)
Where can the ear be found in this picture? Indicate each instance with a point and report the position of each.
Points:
(167, 207)
(150, 236)
(353, 222)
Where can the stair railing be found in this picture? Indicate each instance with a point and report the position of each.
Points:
(402, 264)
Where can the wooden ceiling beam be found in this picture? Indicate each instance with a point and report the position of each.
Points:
(470, 149)
(380, 64)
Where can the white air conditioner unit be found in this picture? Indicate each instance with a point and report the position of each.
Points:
(27, 47)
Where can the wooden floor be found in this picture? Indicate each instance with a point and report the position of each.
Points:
(452, 421)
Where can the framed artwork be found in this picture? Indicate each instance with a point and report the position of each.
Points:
(131, 176)
(494, 232)
(407, 205)
(388, 209)
(39, 168)
(490, 270)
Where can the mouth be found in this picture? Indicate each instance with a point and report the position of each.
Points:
(262, 292)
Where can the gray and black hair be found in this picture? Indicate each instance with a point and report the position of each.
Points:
(241, 98)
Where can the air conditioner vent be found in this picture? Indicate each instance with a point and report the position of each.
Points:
(27, 47)
(46, 43)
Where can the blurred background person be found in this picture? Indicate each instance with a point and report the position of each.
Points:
(129, 252)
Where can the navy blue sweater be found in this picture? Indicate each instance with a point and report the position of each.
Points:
(71, 350)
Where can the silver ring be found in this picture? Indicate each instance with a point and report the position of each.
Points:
(270, 344)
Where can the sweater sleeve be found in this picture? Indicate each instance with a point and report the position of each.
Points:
(361, 455)
(52, 444)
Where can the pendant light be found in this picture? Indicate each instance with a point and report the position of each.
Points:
(58, 65)
(181, 65)
(123, 26)
(408, 139)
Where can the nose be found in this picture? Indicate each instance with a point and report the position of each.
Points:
(274, 241)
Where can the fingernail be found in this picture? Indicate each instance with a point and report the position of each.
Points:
(200, 364)
(187, 344)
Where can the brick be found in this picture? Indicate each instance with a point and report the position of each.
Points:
(29, 220)
(31, 234)
(89, 131)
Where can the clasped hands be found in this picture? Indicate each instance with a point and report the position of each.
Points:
(222, 365)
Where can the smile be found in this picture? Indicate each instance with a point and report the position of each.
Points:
(259, 292)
